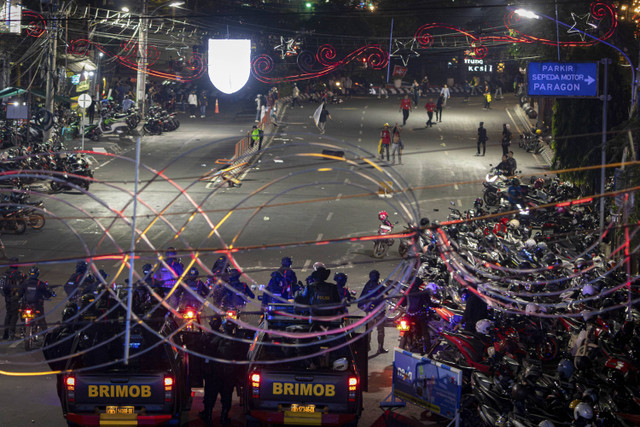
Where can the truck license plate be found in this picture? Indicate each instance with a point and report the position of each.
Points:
(120, 410)
(303, 408)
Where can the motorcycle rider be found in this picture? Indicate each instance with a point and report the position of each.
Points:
(324, 296)
(383, 216)
(35, 292)
(170, 270)
(235, 295)
(196, 285)
(290, 278)
(343, 291)
(417, 305)
(77, 278)
(216, 282)
(515, 192)
(274, 290)
(372, 297)
(13, 291)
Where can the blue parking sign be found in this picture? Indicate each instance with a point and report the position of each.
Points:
(569, 79)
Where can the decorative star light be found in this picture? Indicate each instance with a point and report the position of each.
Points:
(288, 47)
(581, 25)
(405, 51)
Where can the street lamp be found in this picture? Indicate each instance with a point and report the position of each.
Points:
(141, 81)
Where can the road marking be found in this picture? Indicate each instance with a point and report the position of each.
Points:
(15, 243)
(361, 125)
(360, 132)
(15, 344)
(359, 139)
(319, 237)
(306, 265)
(456, 186)
(446, 153)
(329, 216)
(99, 150)
(339, 196)
(459, 203)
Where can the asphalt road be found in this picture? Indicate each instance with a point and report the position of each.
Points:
(292, 202)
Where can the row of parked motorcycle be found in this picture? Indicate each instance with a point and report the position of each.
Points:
(560, 341)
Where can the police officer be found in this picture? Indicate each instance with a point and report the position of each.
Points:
(417, 304)
(196, 285)
(235, 296)
(343, 291)
(371, 298)
(170, 270)
(71, 288)
(220, 377)
(290, 278)
(274, 290)
(474, 310)
(35, 292)
(324, 297)
(216, 282)
(13, 291)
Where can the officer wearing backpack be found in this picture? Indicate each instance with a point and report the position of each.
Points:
(13, 292)
(35, 292)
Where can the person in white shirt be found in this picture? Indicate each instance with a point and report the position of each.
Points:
(446, 94)
(192, 100)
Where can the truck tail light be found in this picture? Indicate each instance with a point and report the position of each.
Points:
(353, 387)
(70, 385)
(255, 385)
(168, 389)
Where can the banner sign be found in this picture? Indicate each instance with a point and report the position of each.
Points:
(10, 17)
(427, 383)
(399, 72)
(573, 79)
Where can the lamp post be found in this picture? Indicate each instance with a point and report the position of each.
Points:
(141, 81)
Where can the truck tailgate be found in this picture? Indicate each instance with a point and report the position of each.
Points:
(141, 391)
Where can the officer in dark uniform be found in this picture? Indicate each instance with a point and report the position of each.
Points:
(216, 282)
(72, 286)
(235, 296)
(35, 292)
(290, 278)
(13, 292)
(417, 304)
(196, 285)
(274, 290)
(324, 298)
(474, 310)
(370, 299)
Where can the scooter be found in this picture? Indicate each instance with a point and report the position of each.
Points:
(111, 126)
(381, 246)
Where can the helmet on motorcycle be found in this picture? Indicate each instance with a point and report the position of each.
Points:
(374, 275)
(529, 244)
(483, 326)
(583, 363)
(531, 309)
(286, 262)
(382, 215)
(583, 411)
(340, 279)
(541, 246)
(574, 403)
(69, 311)
(340, 365)
(431, 288)
(519, 392)
(538, 184)
(565, 369)
(546, 423)
(478, 203)
(538, 131)
(81, 267)
(514, 223)
(590, 396)
(193, 272)
(86, 300)
(424, 222)
(34, 272)
(588, 290)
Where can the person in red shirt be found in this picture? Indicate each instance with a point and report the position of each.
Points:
(405, 107)
(431, 107)
(385, 141)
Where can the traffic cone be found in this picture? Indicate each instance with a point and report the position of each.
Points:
(217, 109)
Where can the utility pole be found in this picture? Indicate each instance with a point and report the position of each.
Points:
(51, 66)
(141, 81)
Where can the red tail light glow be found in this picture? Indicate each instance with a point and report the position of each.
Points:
(168, 389)
(353, 387)
(403, 325)
(189, 314)
(255, 385)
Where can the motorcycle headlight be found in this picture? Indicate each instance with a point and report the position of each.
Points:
(491, 178)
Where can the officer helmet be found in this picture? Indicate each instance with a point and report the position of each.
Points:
(234, 274)
(171, 252)
(374, 275)
(81, 267)
(340, 278)
(146, 269)
(286, 261)
(34, 272)
(193, 272)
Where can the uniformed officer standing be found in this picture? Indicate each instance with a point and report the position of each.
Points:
(371, 298)
(13, 292)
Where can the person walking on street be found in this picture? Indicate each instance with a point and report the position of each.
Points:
(405, 107)
(486, 93)
(506, 139)
(258, 102)
(482, 139)
(396, 144)
(13, 292)
(322, 121)
(513, 164)
(415, 90)
(91, 111)
(431, 107)
(446, 94)
(439, 104)
(385, 141)
(202, 102)
(295, 93)
(370, 299)
(192, 100)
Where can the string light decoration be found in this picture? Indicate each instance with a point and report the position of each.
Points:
(405, 50)
(289, 47)
(581, 25)
(322, 64)
(35, 23)
(195, 64)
